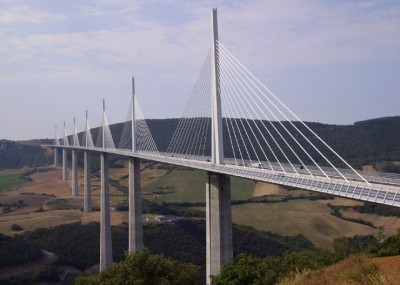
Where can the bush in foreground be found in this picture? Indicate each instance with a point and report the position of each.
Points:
(346, 263)
(246, 270)
(143, 268)
(355, 270)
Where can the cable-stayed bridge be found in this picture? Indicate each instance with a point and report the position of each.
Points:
(232, 126)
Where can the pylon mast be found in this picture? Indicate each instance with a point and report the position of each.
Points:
(217, 146)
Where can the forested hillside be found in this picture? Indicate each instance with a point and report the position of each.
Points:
(16, 155)
(259, 257)
(362, 143)
(77, 244)
(367, 142)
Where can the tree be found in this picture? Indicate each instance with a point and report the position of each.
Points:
(389, 246)
(143, 268)
(244, 270)
(248, 270)
(16, 228)
(15, 251)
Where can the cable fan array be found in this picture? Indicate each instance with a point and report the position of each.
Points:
(192, 136)
(144, 140)
(259, 130)
(104, 137)
(75, 138)
(65, 139)
(263, 129)
(56, 140)
(86, 138)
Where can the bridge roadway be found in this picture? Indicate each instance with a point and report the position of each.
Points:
(382, 189)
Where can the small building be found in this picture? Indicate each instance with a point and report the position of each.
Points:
(159, 218)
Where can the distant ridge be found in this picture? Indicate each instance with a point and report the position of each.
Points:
(364, 142)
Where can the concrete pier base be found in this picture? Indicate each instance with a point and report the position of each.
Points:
(87, 197)
(218, 223)
(105, 218)
(135, 206)
(75, 183)
(65, 165)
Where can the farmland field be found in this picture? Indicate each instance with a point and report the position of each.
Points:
(10, 179)
(310, 218)
(48, 202)
(189, 186)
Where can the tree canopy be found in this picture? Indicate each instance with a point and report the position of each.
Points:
(142, 268)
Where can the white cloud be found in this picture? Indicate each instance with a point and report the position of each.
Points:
(61, 48)
(264, 35)
(282, 34)
(24, 13)
(75, 74)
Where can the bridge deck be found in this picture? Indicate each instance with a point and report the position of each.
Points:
(382, 189)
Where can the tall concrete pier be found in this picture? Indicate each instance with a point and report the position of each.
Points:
(105, 217)
(65, 165)
(135, 241)
(75, 184)
(218, 223)
(55, 157)
(135, 206)
(57, 143)
(87, 191)
(218, 187)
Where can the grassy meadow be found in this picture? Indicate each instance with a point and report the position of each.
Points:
(10, 179)
(189, 186)
(351, 271)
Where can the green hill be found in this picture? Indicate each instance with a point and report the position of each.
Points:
(366, 142)
(16, 154)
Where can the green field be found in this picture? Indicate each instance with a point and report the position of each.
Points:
(189, 186)
(10, 181)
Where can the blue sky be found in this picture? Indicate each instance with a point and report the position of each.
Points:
(330, 61)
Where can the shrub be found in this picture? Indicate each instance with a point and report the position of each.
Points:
(16, 228)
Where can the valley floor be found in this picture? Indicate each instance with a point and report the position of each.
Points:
(47, 202)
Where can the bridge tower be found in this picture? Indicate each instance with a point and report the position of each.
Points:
(135, 198)
(65, 168)
(75, 185)
(56, 142)
(105, 215)
(218, 189)
(87, 196)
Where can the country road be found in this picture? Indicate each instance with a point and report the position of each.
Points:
(46, 258)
